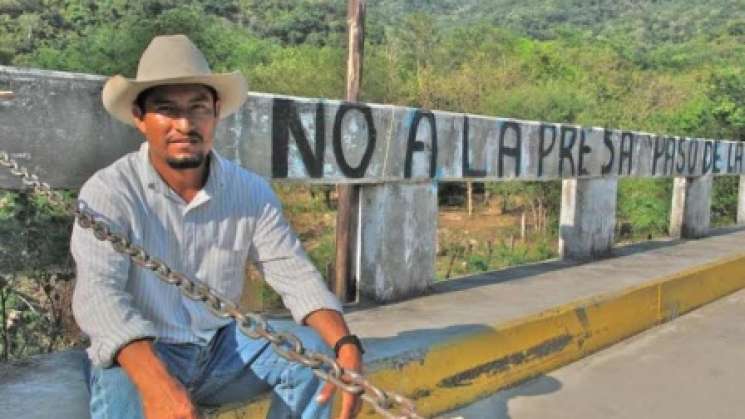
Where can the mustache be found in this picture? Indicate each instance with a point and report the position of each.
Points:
(192, 137)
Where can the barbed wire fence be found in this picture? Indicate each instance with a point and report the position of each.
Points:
(386, 403)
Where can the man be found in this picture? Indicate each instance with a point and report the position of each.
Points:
(154, 352)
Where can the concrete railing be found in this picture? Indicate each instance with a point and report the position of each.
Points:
(57, 127)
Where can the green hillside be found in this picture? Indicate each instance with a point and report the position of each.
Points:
(655, 20)
(666, 66)
(655, 64)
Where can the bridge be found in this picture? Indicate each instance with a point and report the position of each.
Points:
(689, 368)
(443, 344)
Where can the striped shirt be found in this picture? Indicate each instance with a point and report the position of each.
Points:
(234, 218)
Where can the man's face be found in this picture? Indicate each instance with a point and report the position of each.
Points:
(179, 123)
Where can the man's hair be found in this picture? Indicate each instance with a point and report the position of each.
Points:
(142, 97)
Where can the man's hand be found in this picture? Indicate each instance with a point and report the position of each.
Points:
(331, 327)
(350, 359)
(171, 401)
(163, 396)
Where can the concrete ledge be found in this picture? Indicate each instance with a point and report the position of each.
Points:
(46, 386)
(455, 365)
(476, 335)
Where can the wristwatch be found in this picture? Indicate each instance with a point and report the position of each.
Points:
(348, 339)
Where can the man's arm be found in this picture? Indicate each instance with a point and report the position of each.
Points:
(106, 312)
(103, 308)
(281, 259)
(331, 326)
(162, 395)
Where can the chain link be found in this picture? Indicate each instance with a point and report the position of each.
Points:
(253, 325)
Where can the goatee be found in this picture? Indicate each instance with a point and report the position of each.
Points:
(191, 162)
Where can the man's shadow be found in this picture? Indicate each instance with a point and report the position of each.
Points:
(496, 406)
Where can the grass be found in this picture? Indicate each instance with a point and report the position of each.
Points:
(643, 209)
(464, 258)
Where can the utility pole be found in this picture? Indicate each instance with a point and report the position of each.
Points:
(355, 48)
(349, 195)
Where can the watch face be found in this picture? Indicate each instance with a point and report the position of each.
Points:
(349, 339)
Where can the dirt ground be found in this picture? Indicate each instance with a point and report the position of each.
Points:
(485, 222)
(315, 222)
(487, 239)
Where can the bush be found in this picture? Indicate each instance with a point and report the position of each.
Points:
(644, 205)
(35, 277)
(724, 200)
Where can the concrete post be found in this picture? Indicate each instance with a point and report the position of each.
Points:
(741, 201)
(398, 239)
(588, 218)
(691, 207)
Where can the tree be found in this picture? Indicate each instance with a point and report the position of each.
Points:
(295, 22)
(727, 92)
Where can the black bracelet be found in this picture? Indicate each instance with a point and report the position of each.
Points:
(354, 340)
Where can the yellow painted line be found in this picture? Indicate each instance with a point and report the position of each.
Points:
(459, 371)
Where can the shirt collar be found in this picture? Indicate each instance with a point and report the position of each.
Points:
(153, 181)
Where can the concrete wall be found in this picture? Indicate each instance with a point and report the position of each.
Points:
(399, 236)
(57, 127)
(588, 218)
(741, 201)
(690, 214)
(59, 114)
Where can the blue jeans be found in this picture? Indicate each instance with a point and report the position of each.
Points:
(231, 369)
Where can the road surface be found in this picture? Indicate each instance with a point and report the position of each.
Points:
(690, 368)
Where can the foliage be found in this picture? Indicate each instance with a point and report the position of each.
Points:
(643, 208)
(35, 277)
(460, 258)
(633, 64)
(296, 22)
(724, 201)
(728, 95)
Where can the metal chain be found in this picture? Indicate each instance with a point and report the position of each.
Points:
(253, 325)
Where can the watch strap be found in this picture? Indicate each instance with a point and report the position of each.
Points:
(348, 339)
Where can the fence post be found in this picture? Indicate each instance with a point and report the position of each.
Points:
(588, 217)
(741, 201)
(399, 236)
(690, 214)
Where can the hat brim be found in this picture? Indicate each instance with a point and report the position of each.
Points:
(119, 93)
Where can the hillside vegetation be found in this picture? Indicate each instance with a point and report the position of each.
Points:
(665, 66)
(662, 65)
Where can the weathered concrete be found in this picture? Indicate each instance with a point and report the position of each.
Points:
(588, 217)
(690, 214)
(57, 127)
(690, 368)
(43, 387)
(59, 114)
(399, 231)
(474, 335)
(741, 201)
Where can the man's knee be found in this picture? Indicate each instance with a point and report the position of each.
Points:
(113, 395)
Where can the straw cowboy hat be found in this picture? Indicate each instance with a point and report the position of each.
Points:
(172, 59)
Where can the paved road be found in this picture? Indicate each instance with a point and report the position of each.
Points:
(690, 368)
